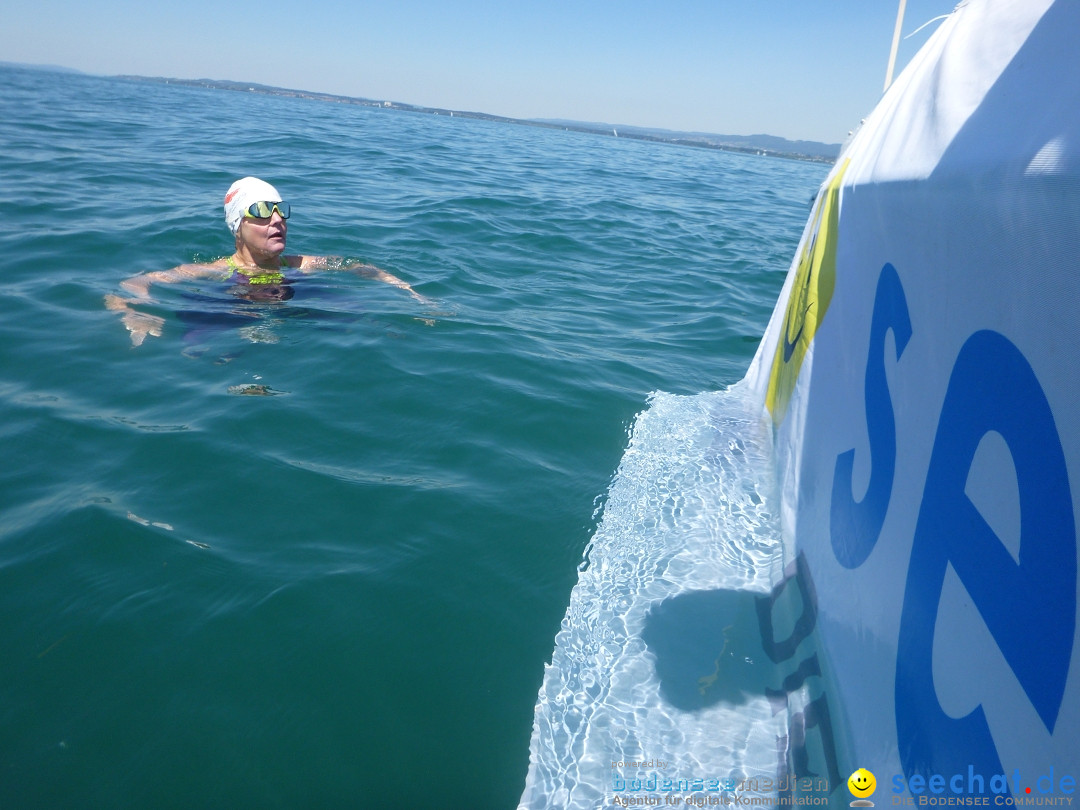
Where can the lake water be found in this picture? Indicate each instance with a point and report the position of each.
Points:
(343, 593)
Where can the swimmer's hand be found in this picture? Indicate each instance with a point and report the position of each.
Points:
(138, 324)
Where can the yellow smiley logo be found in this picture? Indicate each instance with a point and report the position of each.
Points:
(862, 783)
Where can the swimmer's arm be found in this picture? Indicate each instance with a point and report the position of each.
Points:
(139, 285)
(310, 264)
(141, 324)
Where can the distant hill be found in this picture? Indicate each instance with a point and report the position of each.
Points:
(769, 144)
(49, 68)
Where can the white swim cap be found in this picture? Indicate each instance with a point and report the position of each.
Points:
(242, 194)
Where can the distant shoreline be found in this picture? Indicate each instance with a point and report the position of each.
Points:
(765, 145)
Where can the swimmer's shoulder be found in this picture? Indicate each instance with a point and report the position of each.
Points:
(305, 264)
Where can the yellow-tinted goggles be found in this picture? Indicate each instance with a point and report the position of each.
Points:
(265, 210)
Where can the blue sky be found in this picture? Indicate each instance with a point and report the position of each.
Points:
(795, 68)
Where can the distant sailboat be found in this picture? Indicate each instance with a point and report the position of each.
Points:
(615, 132)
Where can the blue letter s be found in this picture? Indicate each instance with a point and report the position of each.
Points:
(855, 526)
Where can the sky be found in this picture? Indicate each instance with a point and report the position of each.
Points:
(800, 69)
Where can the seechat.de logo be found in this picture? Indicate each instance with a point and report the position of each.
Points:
(862, 785)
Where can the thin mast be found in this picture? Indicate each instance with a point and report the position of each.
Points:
(895, 44)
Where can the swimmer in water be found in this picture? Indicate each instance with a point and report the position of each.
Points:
(256, 214)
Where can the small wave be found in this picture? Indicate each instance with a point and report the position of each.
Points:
(356, 475)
